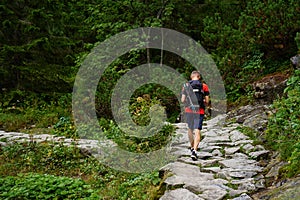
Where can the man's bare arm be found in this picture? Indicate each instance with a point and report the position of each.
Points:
(206, 100)
(183, 98)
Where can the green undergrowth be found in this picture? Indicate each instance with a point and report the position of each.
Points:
(22, 111)
(284, 127)
(44, 171)
(54, 171)
(44, 186)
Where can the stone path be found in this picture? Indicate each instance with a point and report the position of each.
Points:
(228, 167)
(85, 145)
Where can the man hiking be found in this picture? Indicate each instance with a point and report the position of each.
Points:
(195, 95)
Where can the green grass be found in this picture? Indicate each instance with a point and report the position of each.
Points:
(36, 167)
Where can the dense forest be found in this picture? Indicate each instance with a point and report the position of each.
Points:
(43, 44)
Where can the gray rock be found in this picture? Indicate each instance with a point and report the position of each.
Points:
(219, 139)
(274, 171)
(241, 174)
(269, 88)
(259, 148)
(248, 147)
(240, 156)
(3, 144)
(247, 186)
(200, 186)
(205, 148)
(205, 155)
(228, 144)
(237, 135)
(237, 143)
(239, 163)
(211, 161)
(234, 193)
(296, 61)
(216, 121)
(217, 152)
(242, 181)
(210, 133)
(181, 180)
(213, 194)
(224, 175)
(188, 160)
(211, 169)
(181, 151)
(259, 154)
(238, 173)
(257, 122)
(243, 196)
(179, 168)
(180, 194)
(5, 136)
(16, 137)
(16, 134)
(260, 184)
(231, 150)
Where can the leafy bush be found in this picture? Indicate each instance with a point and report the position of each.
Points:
(46, 157)
(24, 110)
(65, 127)
(68, 162)
(43, 186)
(284, 126)
(253, 44)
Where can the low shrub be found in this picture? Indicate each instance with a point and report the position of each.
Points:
(44, 186)
(284, 126)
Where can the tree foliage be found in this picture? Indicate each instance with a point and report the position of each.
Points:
(264, 30)
(39, 41)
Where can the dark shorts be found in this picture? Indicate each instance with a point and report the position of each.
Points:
(194, 120)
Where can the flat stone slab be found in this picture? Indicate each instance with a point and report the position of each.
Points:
(200, 186)
(237, 135)
(239, 163)
(248, 147)
(258, 154)
(180, 194)
(201, 162)
(238, 173)
(204, 147)
(204, 155)
(213, 194)
(179, 168)
(218, 139)
(243, 196)
(211, 169)
(231, 150)
(175, 180)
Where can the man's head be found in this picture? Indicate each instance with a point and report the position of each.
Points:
(195, 75)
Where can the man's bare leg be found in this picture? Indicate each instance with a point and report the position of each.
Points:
(197, 139)
(191, 137)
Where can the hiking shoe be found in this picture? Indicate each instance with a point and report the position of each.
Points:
(194, 155)
(191, 149)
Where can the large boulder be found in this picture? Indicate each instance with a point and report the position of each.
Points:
(296, 61)
(270, 87)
